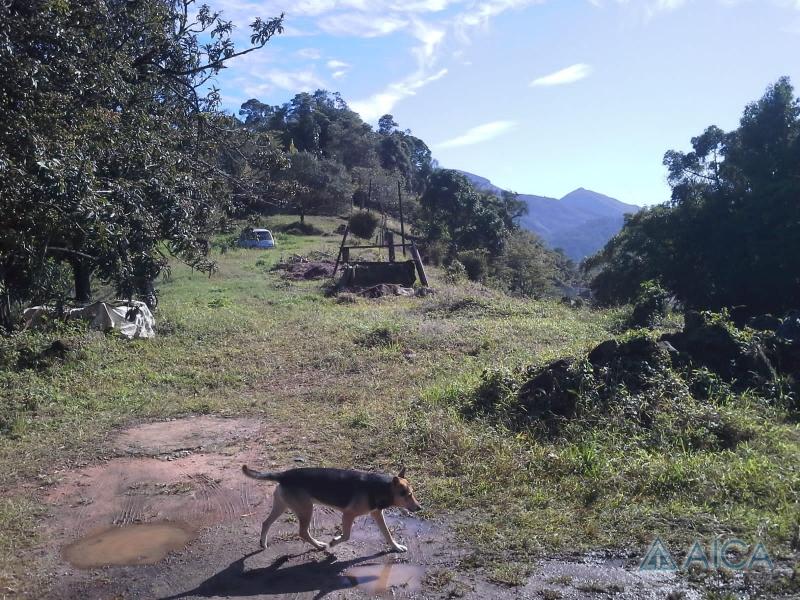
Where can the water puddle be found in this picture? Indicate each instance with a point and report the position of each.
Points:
(377, 579)
(141, 544)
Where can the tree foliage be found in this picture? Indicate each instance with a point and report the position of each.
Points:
(730, 235)
(322, 125)
(452, 210)
(108, 145)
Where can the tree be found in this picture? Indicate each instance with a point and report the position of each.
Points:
(730, 234)
(323, 186)
(526, 267)
(453, 211)
(108, 146)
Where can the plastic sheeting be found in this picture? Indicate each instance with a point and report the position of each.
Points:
(131, 319)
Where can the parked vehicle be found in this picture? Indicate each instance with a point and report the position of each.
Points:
(256, 238)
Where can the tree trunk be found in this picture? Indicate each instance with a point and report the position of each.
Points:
(82, 273)
(302, 216)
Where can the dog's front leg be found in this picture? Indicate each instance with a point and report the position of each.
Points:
(347, 525)
(378, 516)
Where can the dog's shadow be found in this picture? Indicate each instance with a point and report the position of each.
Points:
(322, 577)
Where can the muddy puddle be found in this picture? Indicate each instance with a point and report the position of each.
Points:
(143, 544)
(379, 579)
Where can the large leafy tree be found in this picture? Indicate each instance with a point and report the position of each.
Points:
(453, 211)
(730, 235)
(109, 139)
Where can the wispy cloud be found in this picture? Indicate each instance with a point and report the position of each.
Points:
(361, 24)
(567, 75)
(309, 53)
(383, 102)
(338, 68)
(479, 134)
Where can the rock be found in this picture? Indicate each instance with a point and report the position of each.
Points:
(764, 323)
(57, 349)
(550, 393)
(715, 347)
(692, 320)
(665, 345)
(387, 289)
(572, 302)
(712, 346)
(603, 353)
(789, 330)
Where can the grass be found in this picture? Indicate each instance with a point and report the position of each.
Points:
(383, 381)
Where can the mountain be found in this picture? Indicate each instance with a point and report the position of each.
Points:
(580, 223)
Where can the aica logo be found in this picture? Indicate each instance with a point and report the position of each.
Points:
(731, 554)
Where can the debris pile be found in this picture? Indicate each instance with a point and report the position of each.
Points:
(317, 265)
(130, 319)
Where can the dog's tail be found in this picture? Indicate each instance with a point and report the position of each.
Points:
(260, 475)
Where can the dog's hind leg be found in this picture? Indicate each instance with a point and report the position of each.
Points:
(302, 506)
(279, 507)
(347, 525)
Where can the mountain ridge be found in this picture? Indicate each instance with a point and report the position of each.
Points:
(580, 223)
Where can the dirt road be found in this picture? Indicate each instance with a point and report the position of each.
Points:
(168, 514)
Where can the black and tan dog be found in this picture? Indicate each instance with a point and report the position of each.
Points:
(355, 493)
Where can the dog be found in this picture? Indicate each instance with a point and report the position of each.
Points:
(355, 493)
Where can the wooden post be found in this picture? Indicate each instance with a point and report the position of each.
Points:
(390, 242)
(341, 247)
(418, 261)
(402, 223)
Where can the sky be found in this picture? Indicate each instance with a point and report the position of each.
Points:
(539, 96)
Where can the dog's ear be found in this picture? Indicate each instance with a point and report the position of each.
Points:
(402, 473)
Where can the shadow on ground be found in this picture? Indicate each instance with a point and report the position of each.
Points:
(322, 577)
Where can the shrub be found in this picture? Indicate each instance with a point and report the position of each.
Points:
(298, 228)
(455, 272)
(651, 305)
(475, 263)
(363, 224)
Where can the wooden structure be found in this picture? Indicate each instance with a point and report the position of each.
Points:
(392, 271)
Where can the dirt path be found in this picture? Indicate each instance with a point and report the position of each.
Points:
(169, 515)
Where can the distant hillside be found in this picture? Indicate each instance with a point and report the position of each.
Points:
(580, 223)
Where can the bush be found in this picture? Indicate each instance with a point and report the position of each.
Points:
(363, 224)
(651, 305)
(455, 272)
(475, 263)
(298, 228)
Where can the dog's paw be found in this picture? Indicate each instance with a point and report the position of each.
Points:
(399, 548)
(263, 544)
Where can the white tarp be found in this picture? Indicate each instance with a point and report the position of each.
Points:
(131, 319)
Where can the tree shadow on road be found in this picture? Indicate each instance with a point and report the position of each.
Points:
(323, 577)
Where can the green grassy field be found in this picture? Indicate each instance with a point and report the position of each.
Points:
(383, 382)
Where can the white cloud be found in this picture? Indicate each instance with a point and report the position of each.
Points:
(309, 53)
(361, 24)
(337, 64)
(338, 68)
(480, 13)
(569, 74)
(382, 103)
(431, 38)
(479, 134)
(295, 81)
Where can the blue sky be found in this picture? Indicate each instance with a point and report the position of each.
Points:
(540, 96)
